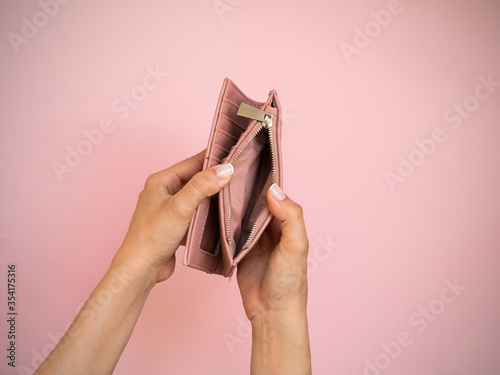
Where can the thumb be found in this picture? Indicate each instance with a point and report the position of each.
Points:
(290, 214)
(202, 185)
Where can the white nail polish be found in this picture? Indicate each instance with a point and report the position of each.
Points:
(277, 192)
(224, 170)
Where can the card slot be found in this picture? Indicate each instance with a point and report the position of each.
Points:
(226, 137)
(227, 134)
(229, 109)
(224, 143)
(221, 152)
(227, 118)
(230, 102)
(216, 159)
(234, 94)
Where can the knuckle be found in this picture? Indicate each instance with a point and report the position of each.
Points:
(150, 180)
(298, 242)
(197, 183)
(179, 208)
(200, 184)
(296, 211)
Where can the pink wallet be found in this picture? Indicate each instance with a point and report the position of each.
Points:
(226, 226)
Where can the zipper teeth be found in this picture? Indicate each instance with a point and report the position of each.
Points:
(228, 231)
(273, 173)
(245, 145)
(228, 234)
(254, 226)
(273, 159)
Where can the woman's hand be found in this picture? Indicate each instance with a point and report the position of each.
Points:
(273, 276)
(96, 338)
(273, 284)
(164, 210)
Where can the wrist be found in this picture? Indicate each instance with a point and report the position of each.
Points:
(128, 270)
(279, 318)
(280, 343)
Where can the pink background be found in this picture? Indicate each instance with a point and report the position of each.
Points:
(378, 255)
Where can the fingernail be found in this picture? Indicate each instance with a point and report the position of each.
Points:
(277, 192)
(224, 171)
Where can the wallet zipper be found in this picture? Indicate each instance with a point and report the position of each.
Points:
(266, 120)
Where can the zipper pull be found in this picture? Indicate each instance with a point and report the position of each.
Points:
(248, 111)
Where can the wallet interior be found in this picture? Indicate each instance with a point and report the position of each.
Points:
(244, 199)
(247, 189)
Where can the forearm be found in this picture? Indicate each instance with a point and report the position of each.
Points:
(280, 344)
(102, 328)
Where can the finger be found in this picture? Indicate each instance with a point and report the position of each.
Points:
(175, 176)
(290, 214)
(203, 184)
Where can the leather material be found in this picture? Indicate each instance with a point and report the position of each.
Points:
(223, 223)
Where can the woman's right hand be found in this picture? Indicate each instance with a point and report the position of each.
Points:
(273, 283)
